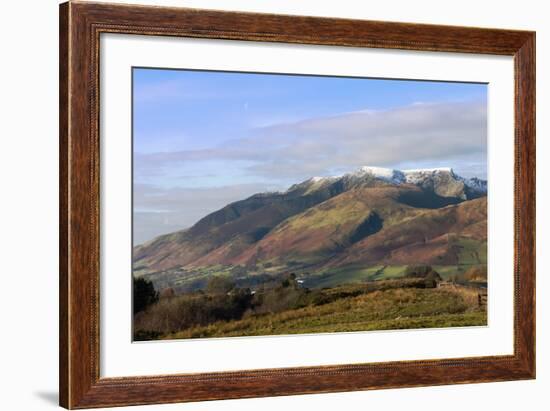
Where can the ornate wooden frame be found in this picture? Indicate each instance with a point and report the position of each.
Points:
(80, 27)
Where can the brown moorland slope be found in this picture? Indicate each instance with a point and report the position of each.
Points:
(369, 224)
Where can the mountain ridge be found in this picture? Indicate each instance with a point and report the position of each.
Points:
(422, 176)
(371, 216)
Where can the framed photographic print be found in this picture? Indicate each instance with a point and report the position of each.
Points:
(258, 205)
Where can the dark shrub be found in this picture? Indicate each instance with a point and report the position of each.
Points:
(417, 271)
(285, 296)
(425, 272)
(431, 279)
(144, 294)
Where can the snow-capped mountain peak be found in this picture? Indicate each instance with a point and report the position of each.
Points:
(318, 179)
(387, 174)
(417, 176)
(429, 170)
(476, 184)
(442, 180)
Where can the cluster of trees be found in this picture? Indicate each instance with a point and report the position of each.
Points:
(474, 274)
(425, 272)
(221, 300)
(144, 294)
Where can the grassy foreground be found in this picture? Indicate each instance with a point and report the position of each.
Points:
(380, 310)
(354, 308)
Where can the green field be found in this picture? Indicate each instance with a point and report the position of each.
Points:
(360, 274)
(352, 274)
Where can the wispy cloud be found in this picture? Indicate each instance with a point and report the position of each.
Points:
(416, 133)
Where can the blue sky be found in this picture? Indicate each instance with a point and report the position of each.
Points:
(203, 139)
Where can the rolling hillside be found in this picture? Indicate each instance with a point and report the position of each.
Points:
(367, 223)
